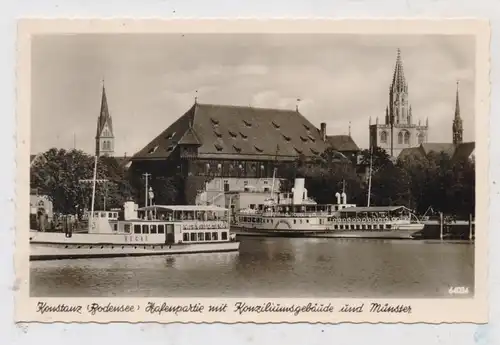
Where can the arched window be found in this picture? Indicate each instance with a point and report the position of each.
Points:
(383, 137)
(421, 138)
(104, 145)
(400, 137)
(407, 137)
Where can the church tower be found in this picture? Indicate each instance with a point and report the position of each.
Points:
(104, 139)
(457, 123)
(398, 130)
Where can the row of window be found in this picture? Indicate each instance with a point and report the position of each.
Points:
(403, 137)
(106, 145)
(361, 227)
(203, 236)
(267, 221)
(145, 228)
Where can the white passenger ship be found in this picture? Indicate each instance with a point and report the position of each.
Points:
(293, 215)
(151, 230)
(302, 217)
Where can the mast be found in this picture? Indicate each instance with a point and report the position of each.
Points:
(146, 177)
(94, 179)
(272, 184)
(370, 178)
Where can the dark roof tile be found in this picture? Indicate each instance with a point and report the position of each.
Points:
(247, 129)
(342, 142)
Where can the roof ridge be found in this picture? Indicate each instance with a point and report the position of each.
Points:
(245, 107)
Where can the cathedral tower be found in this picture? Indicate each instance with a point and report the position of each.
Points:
(104, 139)
(457, 123)
(398, 131)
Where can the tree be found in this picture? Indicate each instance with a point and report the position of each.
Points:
(59, 173)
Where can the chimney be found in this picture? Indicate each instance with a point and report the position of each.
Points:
(323, 131)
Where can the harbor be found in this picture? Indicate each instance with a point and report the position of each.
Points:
(271, 267)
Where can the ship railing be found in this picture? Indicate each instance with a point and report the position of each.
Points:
(205, 225)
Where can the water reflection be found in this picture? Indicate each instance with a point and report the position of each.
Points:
(270, 267)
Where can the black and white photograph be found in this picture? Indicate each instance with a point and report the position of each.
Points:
(263, 165)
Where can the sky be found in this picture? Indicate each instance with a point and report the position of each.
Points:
(152, 79)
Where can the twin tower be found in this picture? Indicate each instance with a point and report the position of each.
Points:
(398, 130)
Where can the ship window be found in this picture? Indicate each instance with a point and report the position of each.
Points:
(224, 235)
(307, 220)
(201, 236)
(208, 236)
(185, 237)
(145, 229)
(137, 229)
(115, 227)
(152, 229)
(193, 236)
(335, 227)
(161, 229)
(295, 221)
(126, 228)
(214, 236)
(103, 214)
(110, 215)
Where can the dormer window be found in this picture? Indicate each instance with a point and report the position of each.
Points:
(286, 138)
(243, 136)
(237, 149)
(298, 151)
(307, 127)
(258, 149)
(217, 134)
(170, 148)
(248, 124)
(153, 149)
(170, 136)
(214, 121)
(218, 147)
(311, 138)
(232, 134)
(275, 125)
(303, 139)
(316, 152)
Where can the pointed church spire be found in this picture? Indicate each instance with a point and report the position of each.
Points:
(457, 121)
(104, 135)
(398, 79)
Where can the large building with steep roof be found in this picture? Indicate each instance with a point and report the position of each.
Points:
(236, 147)
(398, 130)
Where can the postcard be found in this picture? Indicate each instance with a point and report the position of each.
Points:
(252, 171)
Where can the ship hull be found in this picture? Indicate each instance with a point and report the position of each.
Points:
(401, 232)
(79, 246)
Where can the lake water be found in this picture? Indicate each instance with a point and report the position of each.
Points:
(270, 267)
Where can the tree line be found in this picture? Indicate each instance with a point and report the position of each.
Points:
(437, 180)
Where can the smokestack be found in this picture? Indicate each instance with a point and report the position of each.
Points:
(298, 191)
(323, 131)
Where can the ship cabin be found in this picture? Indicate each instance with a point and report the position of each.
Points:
(370, 218)
(180, 223)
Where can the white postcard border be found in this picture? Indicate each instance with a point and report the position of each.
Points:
(422, 310)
